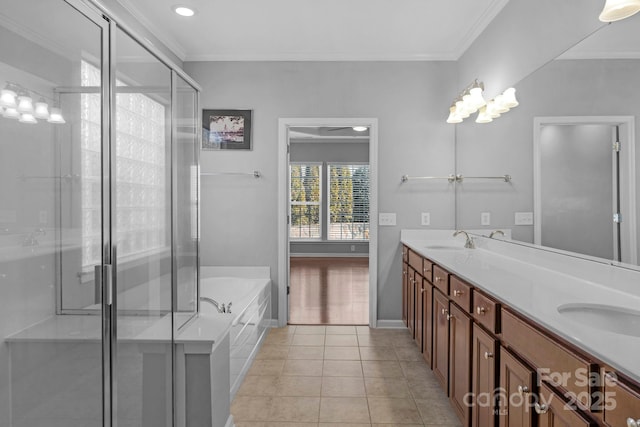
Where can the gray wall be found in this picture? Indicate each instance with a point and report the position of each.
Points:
(409, 99)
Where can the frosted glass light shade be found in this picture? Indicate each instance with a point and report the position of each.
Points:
(41, 110)
(25, 104)
(56, 116)
(615, 10)
(491, 110)
(475, 97)
(8, 98)
(27, 118)
(509, 98)
(453, 116)
(461, 110)
(483, 117)
(359, 128)
(11, 113)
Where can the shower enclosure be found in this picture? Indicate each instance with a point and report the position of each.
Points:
(98, 219)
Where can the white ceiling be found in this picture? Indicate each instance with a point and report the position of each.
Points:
(317, 29)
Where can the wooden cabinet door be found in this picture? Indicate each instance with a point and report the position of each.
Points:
(405, 292)
(440, 359)
(552, 411)
(483, 378)
(411, 310)
(419, 290)
(460, 362)
(427, 321)
(516, 385)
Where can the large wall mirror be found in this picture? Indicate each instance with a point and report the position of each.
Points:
(559, 147)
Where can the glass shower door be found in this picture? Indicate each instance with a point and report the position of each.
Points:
(141, 184)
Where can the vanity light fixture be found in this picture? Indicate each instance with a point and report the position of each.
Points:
(471, 101)
(16, 102)
(615, 10)
(359, 128)
(184, 10)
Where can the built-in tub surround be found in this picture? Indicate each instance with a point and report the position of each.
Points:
(538, 284)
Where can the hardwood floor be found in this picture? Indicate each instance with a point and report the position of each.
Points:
(329, 291)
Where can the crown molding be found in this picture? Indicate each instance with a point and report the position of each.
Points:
(161, 35)
(600, 54)
(320, 57)
(34, 37)
(480, 25)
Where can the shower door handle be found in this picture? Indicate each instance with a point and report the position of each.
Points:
(104, 283)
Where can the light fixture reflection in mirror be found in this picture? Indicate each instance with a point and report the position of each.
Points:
(615, 10)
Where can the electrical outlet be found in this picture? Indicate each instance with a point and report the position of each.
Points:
(387, 219)
(353, 248)
(485, 218)
(426, 218)
(523, 218)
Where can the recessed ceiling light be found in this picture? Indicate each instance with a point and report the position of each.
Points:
(184, 10)
(359, 128)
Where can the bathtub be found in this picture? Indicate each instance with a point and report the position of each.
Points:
(249, 291)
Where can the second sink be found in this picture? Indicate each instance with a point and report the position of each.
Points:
(604, 317)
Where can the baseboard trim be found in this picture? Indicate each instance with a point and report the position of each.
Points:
(230, 422)
(330, 255)
(391, 324)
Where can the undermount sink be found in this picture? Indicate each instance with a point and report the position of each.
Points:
(604, 317)
(444, 247)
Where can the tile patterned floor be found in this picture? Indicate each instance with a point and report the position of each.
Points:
(350, 376)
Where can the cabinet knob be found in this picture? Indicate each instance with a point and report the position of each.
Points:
(426, 270)
(438, 278)
(488, 355)
(481, 310)
(523, 389)
(541, 409)
(444, 311)
(450, 316)
(458, 293)
(633, 423)
(422, 290)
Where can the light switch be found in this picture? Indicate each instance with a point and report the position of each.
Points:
(387, 219)
(485, 218)
(523, 218)
(426, 218)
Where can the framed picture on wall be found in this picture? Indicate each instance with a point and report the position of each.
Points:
(226, 129)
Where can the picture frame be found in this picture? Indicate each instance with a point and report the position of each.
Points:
(226, 129)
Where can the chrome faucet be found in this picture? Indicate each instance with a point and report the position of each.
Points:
(469, 244)
(493, 233)
(31, 240)
(220, 307)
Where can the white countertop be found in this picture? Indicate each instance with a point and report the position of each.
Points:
(535, 283)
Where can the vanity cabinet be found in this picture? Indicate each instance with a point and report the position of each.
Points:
(405, 292)
(411, 304)
(516, 387)
(483, 377)
(553, 411)
(419, 307)
(427, 321)
(619, 402)
(440, 360)
(459, 361)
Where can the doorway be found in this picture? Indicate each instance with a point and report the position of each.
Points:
(584, 179)
(327, 242)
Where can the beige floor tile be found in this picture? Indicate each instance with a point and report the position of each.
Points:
(266, 367)
(343, 387)
(307, 340)
(251, 408)
(289, 329)
(409, 354)
(344, 409)
(342, 368)
(381, 368)
(341, 353)
(273, 352)
(298, 386)
(386, 387)
(344, 425)
(258, 385)
(402, 340)
(273, 424)
(305, 368)
(306, 352)
(372, 340)
(278, 339)
(393, 410)
(341, 330)
(427, 388)
(415, 369)
(399, 425)
(310, 330)
(437, 411)
(377, 353)
(341, 340)
(299, 409)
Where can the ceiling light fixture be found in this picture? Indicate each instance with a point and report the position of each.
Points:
(615, 10)
(359, 128)
(16, 102)
(184, 10)
(471, 101)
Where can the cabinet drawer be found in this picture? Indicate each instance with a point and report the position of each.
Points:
(627, 402)
(553, 411)
(441, 279)
(460, 293)
(555, 364)
(427, 270)
(415, 261)
(486, 312)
